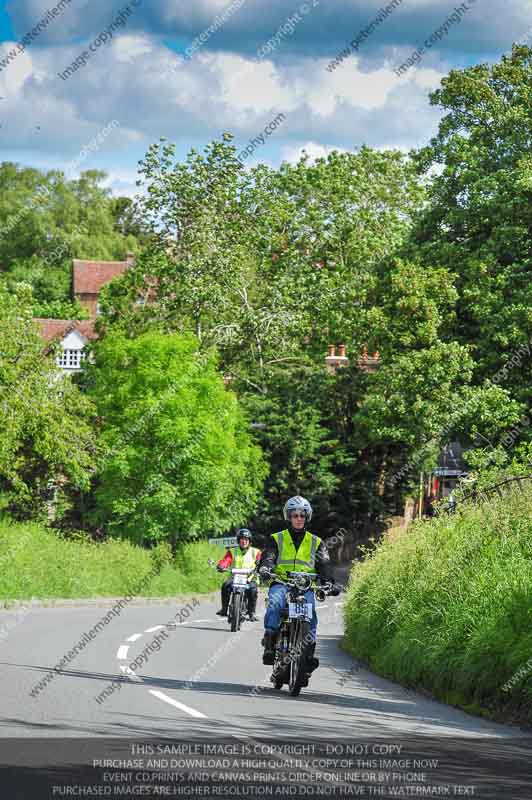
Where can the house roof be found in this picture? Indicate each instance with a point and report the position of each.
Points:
(90, 276)
(53, 329)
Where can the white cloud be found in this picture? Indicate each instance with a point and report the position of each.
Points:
(153, 93)
(314, 150)
(13, 76)
(129, 48)
(122, 182)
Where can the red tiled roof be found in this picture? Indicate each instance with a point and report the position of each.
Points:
(52, 329)
(90, 276)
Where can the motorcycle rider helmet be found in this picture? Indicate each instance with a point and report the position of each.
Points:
(297, 503)
(243, 533)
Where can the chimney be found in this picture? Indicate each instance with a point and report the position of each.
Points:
(333, 361)
(367, 362)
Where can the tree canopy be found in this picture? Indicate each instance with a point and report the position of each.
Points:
(179, 462)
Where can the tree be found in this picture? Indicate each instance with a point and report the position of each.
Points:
(47, 444)
(479, 222)
(46, 221)
(180, 463)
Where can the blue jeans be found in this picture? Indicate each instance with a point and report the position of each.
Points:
(276, 603)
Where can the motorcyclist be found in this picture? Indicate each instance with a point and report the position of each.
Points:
(294, 549)
(243, 556)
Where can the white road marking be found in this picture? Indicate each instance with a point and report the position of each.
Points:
(134, 637)
(177, 704)
(202, 620)
(129, 671)
(338, 604)
(155, 628)
(122, 651)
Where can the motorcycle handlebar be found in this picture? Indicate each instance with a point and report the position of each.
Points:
(321, 592)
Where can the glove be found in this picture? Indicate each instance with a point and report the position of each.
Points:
(219, 568)
(265, 572)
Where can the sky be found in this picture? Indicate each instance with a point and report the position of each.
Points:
(189, 70)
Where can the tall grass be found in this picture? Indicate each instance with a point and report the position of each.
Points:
(448, 606)
(36, 563)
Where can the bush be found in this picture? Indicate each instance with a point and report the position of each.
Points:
(448, 606)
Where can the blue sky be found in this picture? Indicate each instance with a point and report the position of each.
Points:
(235, 81)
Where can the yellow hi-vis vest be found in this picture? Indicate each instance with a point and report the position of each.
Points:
(244, 560)
(290, 560)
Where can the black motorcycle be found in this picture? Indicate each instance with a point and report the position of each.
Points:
(237, 600)
(294, 639)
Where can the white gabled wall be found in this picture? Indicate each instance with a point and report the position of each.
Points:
(72, 346)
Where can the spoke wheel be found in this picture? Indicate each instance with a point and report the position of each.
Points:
(297, 656)
(235, 617)
(279, 665)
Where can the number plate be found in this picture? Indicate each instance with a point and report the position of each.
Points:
(300, 611)
(240, 580)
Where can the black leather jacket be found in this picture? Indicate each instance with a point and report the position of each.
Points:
(270, 554)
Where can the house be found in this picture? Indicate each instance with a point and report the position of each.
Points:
(88, 279)
(74, 336)
(366, 362)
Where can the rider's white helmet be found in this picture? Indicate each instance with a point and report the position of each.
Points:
(297, 503)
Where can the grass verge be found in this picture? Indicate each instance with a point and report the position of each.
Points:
(36, 563)
(447, 607)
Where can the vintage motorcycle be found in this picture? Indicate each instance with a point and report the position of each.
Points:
(293, 638)
(237, 599)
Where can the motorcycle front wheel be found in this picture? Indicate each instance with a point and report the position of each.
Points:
(235, 617)
(298, 638)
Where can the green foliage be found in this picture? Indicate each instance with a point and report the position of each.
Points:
(479, 220)
(60, 309)
(452, 602)
(179, 461)
(47, 445)
(46, 221)
(191, 567)
(37, 563)
(304, 456)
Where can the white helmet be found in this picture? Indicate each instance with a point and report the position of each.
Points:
(297, 503)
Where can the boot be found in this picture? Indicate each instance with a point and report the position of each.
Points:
(223, 611)
(268, 642)
(252, 605)
(312, 662)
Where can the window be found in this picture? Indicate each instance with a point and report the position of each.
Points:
(70, 359)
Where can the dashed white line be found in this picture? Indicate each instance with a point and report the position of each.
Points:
(155, 628)
(122, 651)
(134, 637)
(177, 704)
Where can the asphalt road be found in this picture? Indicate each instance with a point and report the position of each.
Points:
(206, 683)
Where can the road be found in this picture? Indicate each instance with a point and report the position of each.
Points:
(206, 684)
